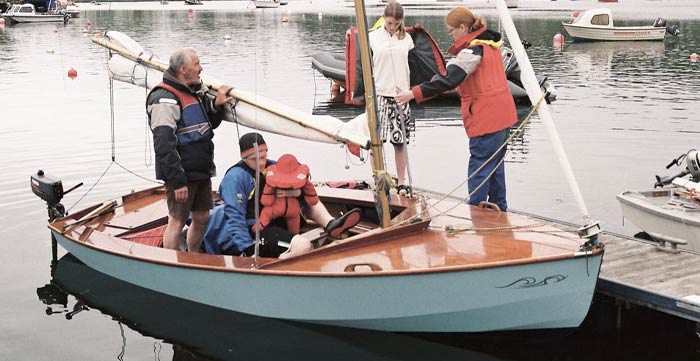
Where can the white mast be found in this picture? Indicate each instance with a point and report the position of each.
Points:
(534, 92)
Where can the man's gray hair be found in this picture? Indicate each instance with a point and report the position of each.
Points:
(180, 57)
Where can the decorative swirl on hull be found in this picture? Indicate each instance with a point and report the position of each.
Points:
(528, 282)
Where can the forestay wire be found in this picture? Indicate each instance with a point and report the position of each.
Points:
(113, 146)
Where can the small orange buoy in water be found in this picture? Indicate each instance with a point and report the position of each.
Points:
(55, 30)
(2, 21)
(575, 14)
(190, 11)
(694, 57)
(89, 23)
(72, 73)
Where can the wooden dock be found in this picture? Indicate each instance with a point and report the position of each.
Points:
(635, 271)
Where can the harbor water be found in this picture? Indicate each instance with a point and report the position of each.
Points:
(624, 110)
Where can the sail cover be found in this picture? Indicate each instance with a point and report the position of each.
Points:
(425, 61)
(136, 67)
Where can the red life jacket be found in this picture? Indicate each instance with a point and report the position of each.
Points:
(487, 105)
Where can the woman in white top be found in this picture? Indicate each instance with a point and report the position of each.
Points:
(390, 46)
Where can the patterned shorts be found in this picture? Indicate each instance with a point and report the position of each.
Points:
(393, 117)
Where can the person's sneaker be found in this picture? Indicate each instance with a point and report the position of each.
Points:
(337, 226)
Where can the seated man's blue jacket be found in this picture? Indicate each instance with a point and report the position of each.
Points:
(228, 231)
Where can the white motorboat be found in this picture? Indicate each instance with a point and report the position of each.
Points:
(598, 25)
(669, 215)
(266, 3)
(26, 13)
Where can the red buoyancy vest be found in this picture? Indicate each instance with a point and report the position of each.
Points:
(487, 105)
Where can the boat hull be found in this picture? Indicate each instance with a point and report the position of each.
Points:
(542, 295)
(637, 33)
(652, 213)
(266, 4)
(35, 18)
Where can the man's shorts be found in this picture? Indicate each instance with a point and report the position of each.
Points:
(198, 199)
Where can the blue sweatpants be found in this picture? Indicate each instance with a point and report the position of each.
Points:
(494, 189)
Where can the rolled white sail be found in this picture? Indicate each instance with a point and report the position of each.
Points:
(131, 64)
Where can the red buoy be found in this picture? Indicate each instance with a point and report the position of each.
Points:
(575, 14)
(89, 23)
(190, 11)
(558, 39)
(72, 73)
(2, 21)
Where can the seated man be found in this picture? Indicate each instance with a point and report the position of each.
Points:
(229, 230)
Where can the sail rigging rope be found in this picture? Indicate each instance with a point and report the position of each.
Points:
(114, 147)
(517, 132)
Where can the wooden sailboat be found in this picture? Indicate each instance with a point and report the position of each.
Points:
(423, 264)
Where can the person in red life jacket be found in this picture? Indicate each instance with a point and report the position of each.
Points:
(488, 109)
(231, 230)
(182, 119)
(286, 175)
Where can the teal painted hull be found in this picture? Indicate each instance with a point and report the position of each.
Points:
(543, 295)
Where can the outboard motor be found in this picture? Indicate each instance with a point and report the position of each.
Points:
(692, 167)
(510, 63)
(659, 22)
(51, 191)
(512, 69)
(692, 162)
(673, 30)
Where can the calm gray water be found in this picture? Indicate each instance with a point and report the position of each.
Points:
(624, 110)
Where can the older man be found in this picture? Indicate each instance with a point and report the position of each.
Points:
(182, 120)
